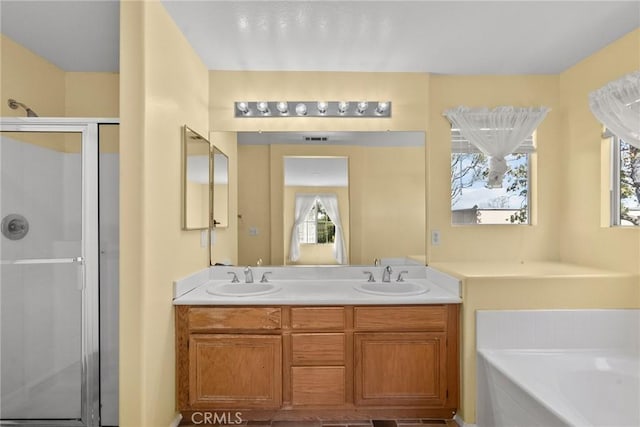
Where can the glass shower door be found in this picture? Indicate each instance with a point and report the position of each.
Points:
(45, 358)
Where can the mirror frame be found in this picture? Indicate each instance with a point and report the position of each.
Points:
(215, 223)
(186, 130)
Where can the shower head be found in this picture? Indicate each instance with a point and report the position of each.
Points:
(13, 104)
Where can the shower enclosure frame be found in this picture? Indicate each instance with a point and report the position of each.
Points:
(90, 318)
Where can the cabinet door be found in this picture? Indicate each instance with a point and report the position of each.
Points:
(235, 371)
(400, 369)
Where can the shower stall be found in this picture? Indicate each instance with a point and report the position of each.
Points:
(59, 271)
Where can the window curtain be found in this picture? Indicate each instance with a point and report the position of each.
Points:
(330, 203)
(617, 106)
(304, 203)
(497, 133)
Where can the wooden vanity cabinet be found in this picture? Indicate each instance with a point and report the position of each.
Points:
(290, 362)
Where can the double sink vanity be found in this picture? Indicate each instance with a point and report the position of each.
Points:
(322, 343)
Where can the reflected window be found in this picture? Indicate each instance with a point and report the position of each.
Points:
(317, 228)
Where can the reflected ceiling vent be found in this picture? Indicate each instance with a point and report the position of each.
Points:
(316, 138)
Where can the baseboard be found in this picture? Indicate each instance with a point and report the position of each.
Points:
(176, 420)
(458, 419)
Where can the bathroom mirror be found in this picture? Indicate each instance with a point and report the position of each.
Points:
(196, 171)
(220, 188)
(385, 194)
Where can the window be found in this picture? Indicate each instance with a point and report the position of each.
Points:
(317, 227)
(625, 188)
(472, 202)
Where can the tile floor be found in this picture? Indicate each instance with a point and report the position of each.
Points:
(354, 423)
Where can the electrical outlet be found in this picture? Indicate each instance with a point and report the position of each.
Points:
(435, 237)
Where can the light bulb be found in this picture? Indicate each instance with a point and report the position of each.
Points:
(382, 107)
(282, 107)
(322, 107)
(301, 109)
(243, 107)
(362, 107)
(263, 107)
(343, 106)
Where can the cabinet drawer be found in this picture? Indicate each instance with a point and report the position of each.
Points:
(318, 385)
(317, 318)
(216, 318)
(423, 318)
(318, 349)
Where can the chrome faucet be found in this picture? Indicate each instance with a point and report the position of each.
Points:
(248, 275)
(386, 274)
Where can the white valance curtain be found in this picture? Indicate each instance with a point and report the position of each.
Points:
(497, 133)
(617, 106)
(304, 204)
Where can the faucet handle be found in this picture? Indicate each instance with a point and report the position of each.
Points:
(235, 277)
(400, 278)
(370, 279)
(264, 277)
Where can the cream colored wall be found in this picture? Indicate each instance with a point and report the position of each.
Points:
(163, 86)
(254, 204)
(51, 91)
(584, 240)
(495, 242)
(321, 254)
(92, 94)
(30, 79)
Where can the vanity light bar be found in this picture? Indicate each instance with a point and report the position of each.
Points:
(260, 109)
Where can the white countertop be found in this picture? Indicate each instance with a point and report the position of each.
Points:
(325, 291)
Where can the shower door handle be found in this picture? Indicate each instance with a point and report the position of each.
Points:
(33, 261)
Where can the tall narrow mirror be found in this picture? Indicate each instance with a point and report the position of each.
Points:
(195, 180)
(220, 189)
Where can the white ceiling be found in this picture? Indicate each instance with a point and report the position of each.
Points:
(316, 171)
(450, 37)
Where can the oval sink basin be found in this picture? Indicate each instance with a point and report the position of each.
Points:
(242, 289)
(392, 289)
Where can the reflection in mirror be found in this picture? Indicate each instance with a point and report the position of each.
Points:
(220, 189)
(316, 210)
(195, 181)
(382, 209)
